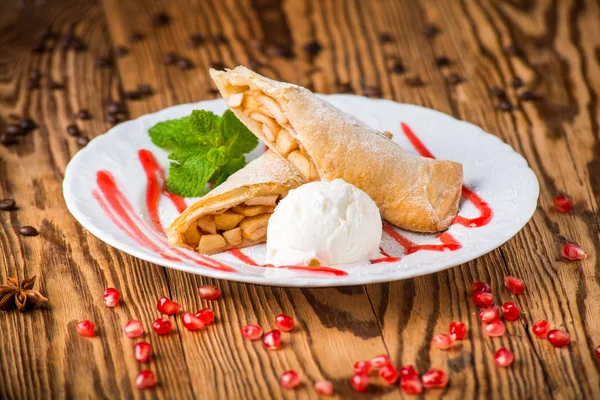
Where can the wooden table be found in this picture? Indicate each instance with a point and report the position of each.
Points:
(553, 46)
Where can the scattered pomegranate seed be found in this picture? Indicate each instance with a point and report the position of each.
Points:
(142, 351)
(541, 328)
(324, 388)
(559, 338)
(503, 357)
(458, 330)
(191, 322)
(359, 382)
(111, 297)
(481, 287)
(209, 292)
(562, 204)
(482, 299)
(284, 322)
(167, 306)
(272, 340)
(162, 326)
(495, 328)
(434, 378)
(252, 331)
(514, 284)
(598, 352)
(573, 252)
(489, 315)
(362, 367)
(380, 361)
(289, 379)
(133, 328)
(86, 328)
(408, 371)
(145, 380)
(206, 315)
(389, 373)
(510, 311)
(442, 341)
(411, 385)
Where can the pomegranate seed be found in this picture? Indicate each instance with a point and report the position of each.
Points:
(162, 326)
(481, 287)
(514, 284)
(252, 331)
(191, 322)
(167, 306)
(510, 311)
(389, 373)
(362, 367)
(434, 378)
(142, 351)
(489, 315)
(559, 338)
(380, 361)
(482, 299)
(573, 252)
(209, 292)
(458, 330)
(284, 322)
(133, 329)
(86, 328)
(145, 380)
(272, 340)
(359, 382)
(411, 385)
(408, 371)
(541, 328)
(206, 315)
(598, 352)
(324, 388)
(562, 204)
(503, 357)
(111, 297)
(289, 379)
(442, 341)
(495, 328)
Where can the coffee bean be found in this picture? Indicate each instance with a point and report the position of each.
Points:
(169, 58)
(110, 118)
(194, 40)
(385, 38)
(27, 124)
(442, 61)
(217, 65)
(35, 75)
(505, 105)
(73, 130)
(53, 85)
(517, 82)
(84, 114)
(284, 51)
(431, 30)
(218, 39)
(397, 68)
(132, 95)
(160, 19)
(513, 50)
(13, 129)
(213, 91)
(344, 87)
(7, 205)
(136, 37)
(414, 81)
(82, 141)
(77, 45)
(312, 48)
(65, 41)
(114, 108)
(103, 62)
(528, 95)
(454, 79)
(120, 117)
(120, 51)
(145, 89)
(28, 231)
(14, 117)
(184, 63)
(32, 84)
(498, 92)
(38, 47)
(372, 91)
(7, 140)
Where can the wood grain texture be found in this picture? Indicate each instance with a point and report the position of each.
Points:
(43, 357)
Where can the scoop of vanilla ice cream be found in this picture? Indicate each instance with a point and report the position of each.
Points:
(331, 222)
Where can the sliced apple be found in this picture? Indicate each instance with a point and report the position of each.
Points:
(251, 225)
(207, 224)
(228, 220)
(251, 211)
(300, 162)
(192, 236)
(233, 236)
(235, 100)
(210, 243)
(262, 200)
(285, 143)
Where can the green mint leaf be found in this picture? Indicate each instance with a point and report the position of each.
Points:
(183, 154)
(218, 156)
(206, 125)
(230, 168)
(188, 179)
(167, 134)
(236, 136)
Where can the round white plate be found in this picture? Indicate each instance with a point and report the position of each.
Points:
(107, 189)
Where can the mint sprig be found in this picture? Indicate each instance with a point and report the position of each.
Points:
(204, 148)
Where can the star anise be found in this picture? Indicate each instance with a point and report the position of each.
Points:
(20, 294)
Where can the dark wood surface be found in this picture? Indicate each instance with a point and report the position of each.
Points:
(42, 356)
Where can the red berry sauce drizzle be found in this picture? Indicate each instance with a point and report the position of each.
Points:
(152, 237)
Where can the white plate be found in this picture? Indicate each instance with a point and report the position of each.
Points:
(493, 172)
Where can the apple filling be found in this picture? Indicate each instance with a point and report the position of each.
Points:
(274, 125)
(227, 228)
